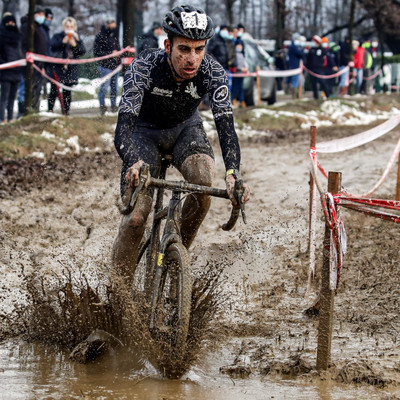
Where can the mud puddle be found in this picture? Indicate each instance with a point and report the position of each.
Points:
(37, 371)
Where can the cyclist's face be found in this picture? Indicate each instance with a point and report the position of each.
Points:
(186, 55)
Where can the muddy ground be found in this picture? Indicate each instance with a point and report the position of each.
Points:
(63, 214)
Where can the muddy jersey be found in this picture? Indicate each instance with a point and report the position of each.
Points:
(151, 94)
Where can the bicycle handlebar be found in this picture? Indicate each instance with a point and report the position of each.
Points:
(183, 186)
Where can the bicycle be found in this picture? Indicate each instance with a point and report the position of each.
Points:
(167, 280)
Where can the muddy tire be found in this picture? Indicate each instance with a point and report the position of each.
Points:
(174, 300)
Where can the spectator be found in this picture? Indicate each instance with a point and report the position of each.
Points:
(344, 58)
(39, 47)
(218, 47)
(295, 56)
(367, 67)
(280, 65)
(106, 42)
(358, 64)
(48, 15)
(67, 44)
(149, 40)
(10, 50)
(237, 82)
(330, 64)
(316, 63)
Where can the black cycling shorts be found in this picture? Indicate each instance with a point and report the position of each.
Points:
(181, 141)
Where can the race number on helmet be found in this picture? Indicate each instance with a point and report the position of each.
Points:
(194, 20)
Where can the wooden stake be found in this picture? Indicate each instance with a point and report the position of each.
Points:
(398, 181)
(327, 294)
(313, 141)
(258, 86)
(301, 81)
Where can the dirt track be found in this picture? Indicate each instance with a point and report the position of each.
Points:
(66, 215)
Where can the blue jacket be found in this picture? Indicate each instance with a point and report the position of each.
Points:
(295, 55)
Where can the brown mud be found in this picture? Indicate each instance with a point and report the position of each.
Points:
(59, 220)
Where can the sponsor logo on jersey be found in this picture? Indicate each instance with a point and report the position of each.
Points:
(221, 94)
(192, 90)
(162, 92)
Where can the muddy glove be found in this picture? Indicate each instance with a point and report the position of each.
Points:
(231, 178)
(132, 176)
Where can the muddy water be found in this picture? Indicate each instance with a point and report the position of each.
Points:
(37, 371)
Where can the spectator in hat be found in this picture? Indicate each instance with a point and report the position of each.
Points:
(10, 50)
(316, 62)
(67, 44)
(149, 40)
(295, 56)
(39, 47)
(106, 42)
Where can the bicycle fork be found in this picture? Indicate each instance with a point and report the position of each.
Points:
(170, 235)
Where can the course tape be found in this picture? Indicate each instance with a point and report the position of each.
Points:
(368, 78)
(350, 142)
(13, 64)
(341, 72)
(95, 82)
(30, 57)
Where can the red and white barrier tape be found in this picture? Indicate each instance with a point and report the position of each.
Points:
(267, 73)
(368, 78)
(341, 72)
(350, 142)
(13, 64)
(31, 57)
(278, 74)
(95, 82)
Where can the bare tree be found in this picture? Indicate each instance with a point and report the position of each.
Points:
(229, 10)
(280, 9)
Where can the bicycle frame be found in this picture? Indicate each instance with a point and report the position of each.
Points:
(155, 265)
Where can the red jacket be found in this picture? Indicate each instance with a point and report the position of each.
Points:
(359, 57)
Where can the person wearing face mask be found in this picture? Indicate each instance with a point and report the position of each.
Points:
(106, 42)
(316, 62)
(217, 47)
(39, 47)
(67, 44)
(10, 50)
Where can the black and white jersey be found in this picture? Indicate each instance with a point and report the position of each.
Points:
(151, 94)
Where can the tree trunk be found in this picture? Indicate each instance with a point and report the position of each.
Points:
(229, 10)
(71, 8)
(29, 66)
(351, 27)
(128, 22)
(280, 23)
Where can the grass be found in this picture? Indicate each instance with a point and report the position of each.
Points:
(25, 136)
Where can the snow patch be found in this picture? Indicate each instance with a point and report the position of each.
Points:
(73, 143)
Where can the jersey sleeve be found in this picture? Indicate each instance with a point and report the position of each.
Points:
(218, 92)
(136, 80)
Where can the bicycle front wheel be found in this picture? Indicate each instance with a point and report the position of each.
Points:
(173, 302)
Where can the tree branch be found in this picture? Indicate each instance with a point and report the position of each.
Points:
(344, 26)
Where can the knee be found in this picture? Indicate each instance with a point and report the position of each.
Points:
(198, 169)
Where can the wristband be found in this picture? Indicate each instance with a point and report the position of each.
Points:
(233, 172)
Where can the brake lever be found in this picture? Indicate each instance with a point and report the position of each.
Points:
(143, 177)
(238, 193)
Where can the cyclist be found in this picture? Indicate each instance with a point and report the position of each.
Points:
(158, 114)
